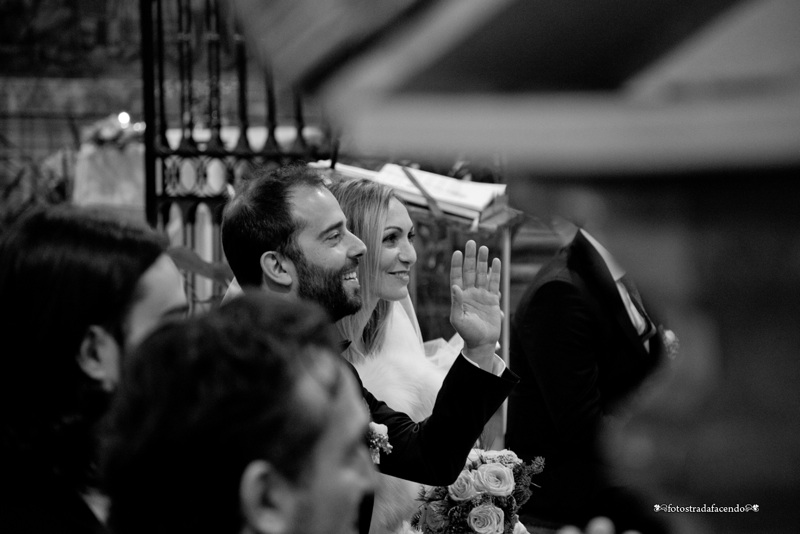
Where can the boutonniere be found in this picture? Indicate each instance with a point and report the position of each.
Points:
(671, 343)
(378, 440)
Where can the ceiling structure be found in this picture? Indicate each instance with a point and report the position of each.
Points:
(598, 87)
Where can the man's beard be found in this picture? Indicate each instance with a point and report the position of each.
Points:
(326, 288)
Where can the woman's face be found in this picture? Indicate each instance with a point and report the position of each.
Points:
(397, 254)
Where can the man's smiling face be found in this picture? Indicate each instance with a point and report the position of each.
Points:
(326, 268)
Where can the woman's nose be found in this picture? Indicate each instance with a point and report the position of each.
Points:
(408, 254)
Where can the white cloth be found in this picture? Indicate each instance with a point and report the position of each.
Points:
(401, 375)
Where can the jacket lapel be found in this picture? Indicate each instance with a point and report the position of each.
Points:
(584, 259)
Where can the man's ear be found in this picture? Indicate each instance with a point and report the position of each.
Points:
(277, 269)
(269, 501)
(99, 356)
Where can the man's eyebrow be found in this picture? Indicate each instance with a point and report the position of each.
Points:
(338, 225)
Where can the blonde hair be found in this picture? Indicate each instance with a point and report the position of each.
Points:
(365, 204)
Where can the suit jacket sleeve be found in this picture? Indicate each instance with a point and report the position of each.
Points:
(433, 451)
(559, 336)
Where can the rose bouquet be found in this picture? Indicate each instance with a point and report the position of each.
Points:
(485, 498)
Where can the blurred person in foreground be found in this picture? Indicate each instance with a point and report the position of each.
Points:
(285, 233)
(243, 420)
(583, 344)
(78, 288)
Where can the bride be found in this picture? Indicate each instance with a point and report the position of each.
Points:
(386, 345)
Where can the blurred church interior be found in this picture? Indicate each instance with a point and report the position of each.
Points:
(670, 129)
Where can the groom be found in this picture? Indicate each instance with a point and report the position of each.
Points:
(285, 233)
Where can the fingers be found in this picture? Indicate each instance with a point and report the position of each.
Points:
(469, 263)
(494, 276)
(471, 269)
(456, 264)
(482, 275)
(456, 300)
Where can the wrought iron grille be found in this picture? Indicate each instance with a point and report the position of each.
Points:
(207, 122)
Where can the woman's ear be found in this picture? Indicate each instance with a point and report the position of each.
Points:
(277, 269)
(99, 357)
(269, 502)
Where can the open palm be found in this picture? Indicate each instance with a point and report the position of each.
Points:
(475, 305)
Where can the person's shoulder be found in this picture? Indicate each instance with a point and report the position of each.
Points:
(554, 272)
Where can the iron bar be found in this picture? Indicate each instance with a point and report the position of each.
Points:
(161, 139)
(271, 148)
(243, 144)
(299, 146)
(148, 85)
(185, 73)
(182, 176)
(215, 145)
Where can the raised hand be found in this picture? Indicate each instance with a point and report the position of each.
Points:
(475, 304)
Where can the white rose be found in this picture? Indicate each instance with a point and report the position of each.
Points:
(510, 457)
(491, 454)
(486, 519)
(519, 528)
(474, 458)
(506, 456)
(464, 488)
(495, 479)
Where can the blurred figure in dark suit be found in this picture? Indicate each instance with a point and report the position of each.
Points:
(582, 342)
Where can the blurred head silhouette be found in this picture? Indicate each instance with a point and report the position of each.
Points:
(242, 420)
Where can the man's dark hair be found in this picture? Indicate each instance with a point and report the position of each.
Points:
(62, 269)
(202, 398)
(259, 218)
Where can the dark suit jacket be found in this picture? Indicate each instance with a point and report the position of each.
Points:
(433, 451)
(33, 500)
(578, 357)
